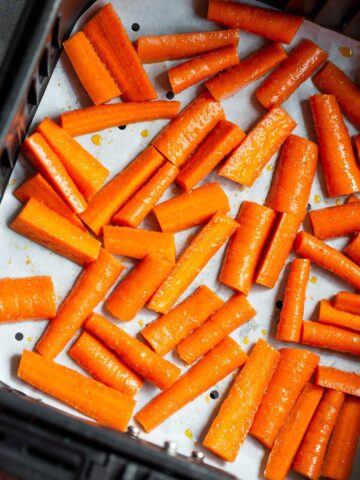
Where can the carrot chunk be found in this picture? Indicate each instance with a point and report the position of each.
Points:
(348, 302)
(332, 316)
(333, 338)
(335, 221)
(352, 249)
(346, 382)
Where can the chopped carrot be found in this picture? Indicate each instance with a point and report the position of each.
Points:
(348, 302)
(346, 382)
(352, 249)
(332, 316)
(335, 221)
(356, 139)
(333, 338)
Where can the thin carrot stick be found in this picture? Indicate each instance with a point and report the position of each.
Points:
(335, 221)
(348, 302)
(333, 338)
(346, 382)
(332, 316)
(352, 249)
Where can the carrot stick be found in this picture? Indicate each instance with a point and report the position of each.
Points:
(135, 354)
(86, 395)
(138, 287)
(352, 249)
(332, 316)
(233, 421)
(346, 382)
(335, 221)
(348, 302)
(204, 246)
(292, 312)
(26, 298)
(252, 68)
(247, 161)
(99, 117)
(333, 338)
(168, 330)
(44, 226)
(294, 174)
(90, 70)
(216, 365)
(294, 370)
(179, 213)
(137, 208)
(230, 316)
(246, 246)
(356, 139)
(184, 133)
(89, 289)
(278, 249)
(115, 193)
(217, 145)
(342, 174)
(104, 366)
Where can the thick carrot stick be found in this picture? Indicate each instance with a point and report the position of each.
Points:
(348, 302)
(332, 316)
(352, 249)
(342, 174)
(137, 208)
(252, 68)
(346, 382)
(217, 145)
(90, 70)
(86, 395)
(247, 161)
(216, 365)
(138, 287)
(333, 338)
(168, 330)
(246, 246)
(185, 132)
(294, 370)
(102, 364)
(294, 174)
(235, 312)
(179, 213)
(204, 246)
(26, 298)
(278, 249)
(135, 354)
(233, 421)
(115, 193)
(44, 226)
(335, 221)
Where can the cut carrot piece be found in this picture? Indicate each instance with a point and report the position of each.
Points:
(293, 372)
(86, 395)
(179, 213)
(346, 382)
(183, 134)
(235, 312)
(356, 139)
(91, 72)
(352, 249)
(342, 174)
(246, 246)
(333, 338)
(248, 160)
(331, 316)
(348, 302)
(135, 354)
(26, 298)
(233, 421)
(44, 226)
(138, 287)
(216, 365)
(335, 221)
(138, 207)
(204, 246)
(104, 365)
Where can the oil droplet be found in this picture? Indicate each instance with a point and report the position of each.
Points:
(145, 133)
(13, 182)
(317, 198)
(241, 188)
(246, 340)
(269, 168)
(263, 331)
(29, 339)
(141, 323)
(346, 52)
(313, 279)
(96, 139)
(188, 433)
(28, 261)
(207, 398)
(338, 201)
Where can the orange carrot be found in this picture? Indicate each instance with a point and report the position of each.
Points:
(294, 370)
(26, 298)
(333, 338)
(135, 354)
(44, 226)
(332, 316)
(216, 365)
(247, 161)
(138, 207)
(346, 382)
(246, 246)
(348, 302)
(179, 213)
(356, 139)
(185, 132)
(91, 72)
(168, 330)
(342, 174)
(233, 421)
(86, 395)
(138, 287)
(204, 246)
(352, 249)
(335, 221)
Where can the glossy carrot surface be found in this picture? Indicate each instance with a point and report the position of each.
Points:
(340, 380)
(328, 336)
(332, 316)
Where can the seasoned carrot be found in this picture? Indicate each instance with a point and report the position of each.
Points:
(86, 395)
(335, 221)
(179, 213)
(44, 226)
(26, 298)
(246, 246)
(216, 365)
(342, 174)
(294, 370)
(332, 316)
(204, 246)
(333, 338)
(348, 302)
(135, 354)
(138, 287)
(352, 249)
(356, 139)
(346, 382)
(233, 421)
(235, 312)
(247, 161)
